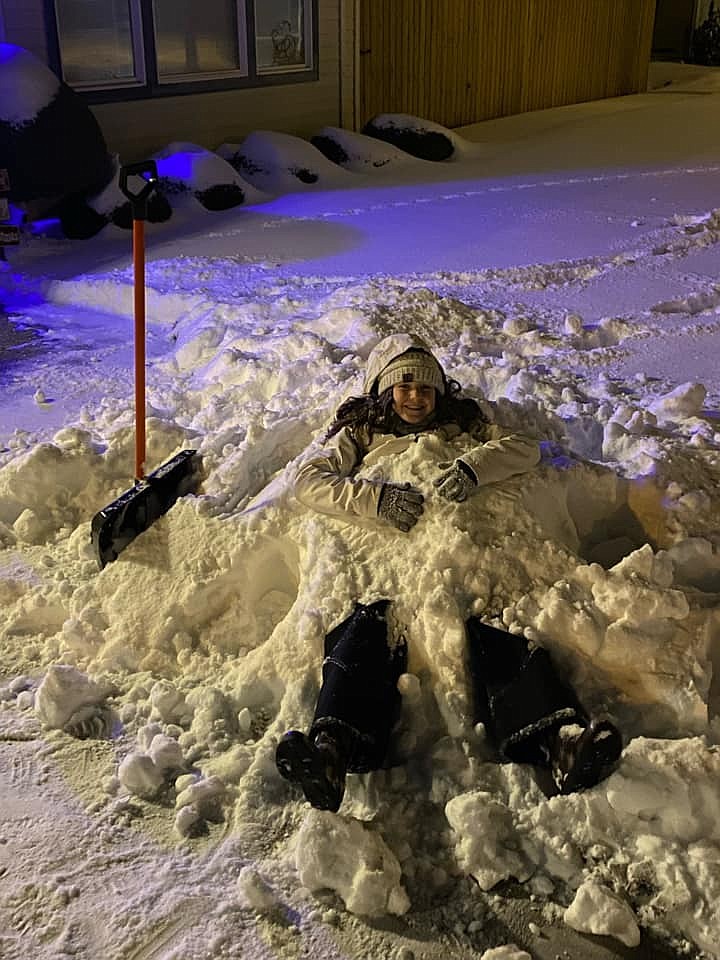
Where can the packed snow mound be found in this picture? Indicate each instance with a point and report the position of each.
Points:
(279, 162)
(357, 152)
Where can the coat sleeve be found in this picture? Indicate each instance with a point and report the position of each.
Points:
(504, 454)
(326, 482)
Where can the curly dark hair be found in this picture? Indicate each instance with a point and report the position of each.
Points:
(375, 413)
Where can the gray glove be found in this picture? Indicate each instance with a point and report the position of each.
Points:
(401, 505)
(456, 482)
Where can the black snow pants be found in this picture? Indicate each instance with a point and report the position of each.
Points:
(359, 701)
(517, 693)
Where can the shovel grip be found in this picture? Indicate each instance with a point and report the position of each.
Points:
(145, 171)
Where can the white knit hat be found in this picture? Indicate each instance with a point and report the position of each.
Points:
(414, 366)
(402, 354)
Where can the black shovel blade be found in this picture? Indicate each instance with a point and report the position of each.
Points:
(117, 525)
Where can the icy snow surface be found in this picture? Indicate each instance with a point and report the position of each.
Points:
(570, 282)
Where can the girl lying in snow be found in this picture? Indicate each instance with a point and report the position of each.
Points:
(530, 715)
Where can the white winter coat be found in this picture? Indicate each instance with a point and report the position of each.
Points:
(332, 481)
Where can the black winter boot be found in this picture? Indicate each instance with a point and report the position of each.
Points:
(583, 755)
(318, 765)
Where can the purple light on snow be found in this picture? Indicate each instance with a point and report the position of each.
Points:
(40, 227)
(177, 167)
(8, 51)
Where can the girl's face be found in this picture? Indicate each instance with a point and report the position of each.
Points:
(413, 402)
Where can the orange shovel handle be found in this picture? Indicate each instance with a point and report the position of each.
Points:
(139, 315)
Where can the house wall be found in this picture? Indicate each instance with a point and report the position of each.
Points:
(461, 61)
(138, 127)
(25, 25)
(349, 20)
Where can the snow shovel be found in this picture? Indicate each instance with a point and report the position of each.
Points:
(118, 524)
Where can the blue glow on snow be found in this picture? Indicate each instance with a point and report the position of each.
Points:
(8, 51)
(177, 167)
(40, 227)
(16, 216)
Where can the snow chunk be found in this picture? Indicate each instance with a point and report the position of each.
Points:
(139, 775)
(681, 403)
(596, 909)
(508, 951)
(168, 702)
(486, 845)
(166, 754)
(205, 796)
(255, 892)
(63, 692)
(354, 861)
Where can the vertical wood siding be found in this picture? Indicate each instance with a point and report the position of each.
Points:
(459, 61)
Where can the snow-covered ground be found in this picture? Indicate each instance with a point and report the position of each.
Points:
(564, 265)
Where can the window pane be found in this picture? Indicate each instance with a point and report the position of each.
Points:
(96, 42)
(281, 35)
(196, 38)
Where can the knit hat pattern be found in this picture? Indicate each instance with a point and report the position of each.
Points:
(414, 366)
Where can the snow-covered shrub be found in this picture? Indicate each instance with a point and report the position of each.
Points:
(421, 138)
(50, 142)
